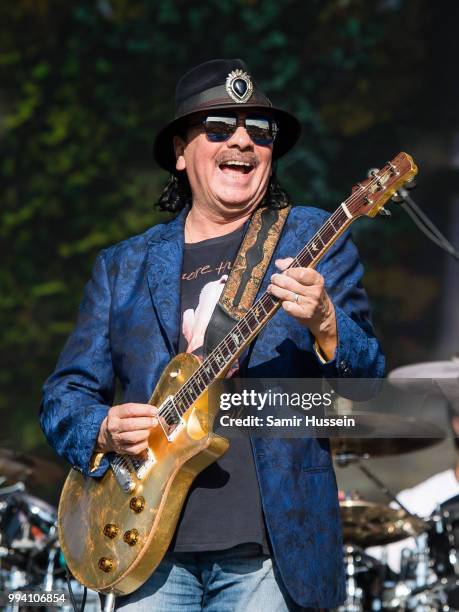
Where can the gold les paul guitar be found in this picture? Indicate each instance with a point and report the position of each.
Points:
(114, 531)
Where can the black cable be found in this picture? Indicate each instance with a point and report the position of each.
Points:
(409, 200)
(72, 594)
(429, 229)
(426, 226)
(433, 237)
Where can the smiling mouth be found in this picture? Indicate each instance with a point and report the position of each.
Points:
(239, 167)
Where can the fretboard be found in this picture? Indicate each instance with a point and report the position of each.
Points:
(236, 341)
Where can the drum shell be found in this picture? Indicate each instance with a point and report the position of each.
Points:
(443, 539)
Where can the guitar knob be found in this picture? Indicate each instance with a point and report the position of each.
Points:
(137, 504)
(111, 530)
(106, 564)
(131, 537)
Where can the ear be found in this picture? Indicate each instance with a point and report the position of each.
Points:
(179, 148)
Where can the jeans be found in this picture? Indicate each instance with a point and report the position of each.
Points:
(239, 579)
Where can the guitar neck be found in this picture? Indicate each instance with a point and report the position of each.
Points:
(218, 362)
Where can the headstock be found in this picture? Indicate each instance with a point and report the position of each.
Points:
(369, 196)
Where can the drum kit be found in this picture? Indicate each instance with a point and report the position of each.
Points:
(429, 576)
(30, 555)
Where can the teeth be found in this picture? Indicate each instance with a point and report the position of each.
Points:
(237, 163)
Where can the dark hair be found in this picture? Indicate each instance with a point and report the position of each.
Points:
(177, 194)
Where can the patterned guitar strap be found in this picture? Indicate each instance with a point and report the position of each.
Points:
(246, 275)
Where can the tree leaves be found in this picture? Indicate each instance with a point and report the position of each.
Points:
(86, 85)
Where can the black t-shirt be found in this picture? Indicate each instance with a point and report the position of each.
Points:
(223, 508)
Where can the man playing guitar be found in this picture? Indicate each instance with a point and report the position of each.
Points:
(260, 529)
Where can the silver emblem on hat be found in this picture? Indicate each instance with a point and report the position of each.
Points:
(239, 86)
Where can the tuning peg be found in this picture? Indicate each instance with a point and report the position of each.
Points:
(397, 198)
(411, 184)
(384, 212)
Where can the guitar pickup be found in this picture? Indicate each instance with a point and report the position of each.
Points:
(171, 421)
(142, 465)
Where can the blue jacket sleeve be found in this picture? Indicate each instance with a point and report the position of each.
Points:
(77, 396)
(358, 353)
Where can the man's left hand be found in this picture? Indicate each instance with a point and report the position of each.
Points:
(303, 295)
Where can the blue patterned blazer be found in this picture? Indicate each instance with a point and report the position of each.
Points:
(128, 328)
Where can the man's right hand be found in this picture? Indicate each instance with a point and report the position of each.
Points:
(126, 429)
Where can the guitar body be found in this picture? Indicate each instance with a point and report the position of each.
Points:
(111, 543)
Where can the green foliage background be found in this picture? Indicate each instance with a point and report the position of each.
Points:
(84, 87)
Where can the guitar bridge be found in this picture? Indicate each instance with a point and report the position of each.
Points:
(120, 467)
(142, 465)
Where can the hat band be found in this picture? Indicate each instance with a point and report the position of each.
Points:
(218, 96)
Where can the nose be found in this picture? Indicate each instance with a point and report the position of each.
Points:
(240, 139)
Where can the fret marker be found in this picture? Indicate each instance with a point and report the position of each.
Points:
(314, 247)
(235, 339)
(346, 210)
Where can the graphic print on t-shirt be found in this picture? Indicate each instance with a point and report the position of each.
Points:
(195, 321)
(206, 268)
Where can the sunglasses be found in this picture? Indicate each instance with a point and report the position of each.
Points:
(262, 130)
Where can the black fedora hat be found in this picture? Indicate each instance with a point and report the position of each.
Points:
(221, 84)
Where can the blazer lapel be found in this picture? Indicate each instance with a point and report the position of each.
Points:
(165, 259)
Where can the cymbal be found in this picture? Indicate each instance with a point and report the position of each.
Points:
(427, 369)
(369, 524)
(28, 468)
(386, 434)
(427, 377)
